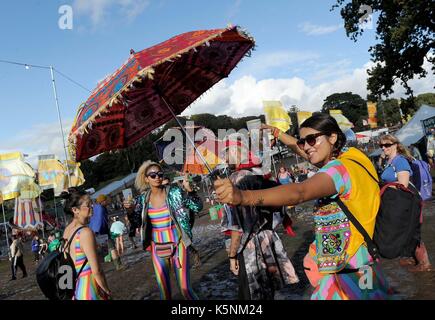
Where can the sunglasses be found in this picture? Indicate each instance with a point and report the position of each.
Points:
(311, 139)
(154, 175)
(386, 145)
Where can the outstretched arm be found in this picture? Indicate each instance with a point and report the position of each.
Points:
(287, 139)
(318, 186)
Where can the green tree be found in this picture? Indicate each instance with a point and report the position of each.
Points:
(425, 98)
(389, 108)
(405, 39)
(353, 106)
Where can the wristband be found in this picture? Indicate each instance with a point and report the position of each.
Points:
(233, 258)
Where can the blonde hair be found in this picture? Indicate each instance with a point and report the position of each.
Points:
(140, 182)
(401, 149)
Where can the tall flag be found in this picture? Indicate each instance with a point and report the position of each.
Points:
(76, 175)
(276, 115)
(342, 121)
(371, 109)
(51, 174)
(14, 172)
(302, 116)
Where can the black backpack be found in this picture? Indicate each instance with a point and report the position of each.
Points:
(56, 274)
(397, 228)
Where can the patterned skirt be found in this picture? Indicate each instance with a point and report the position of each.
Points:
(369, 283)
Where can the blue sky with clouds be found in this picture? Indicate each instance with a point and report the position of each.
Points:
(302, 55)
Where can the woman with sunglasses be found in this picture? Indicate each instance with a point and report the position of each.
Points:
(398, 170)
(91, 282)
(167, 219)
(339, 251)
(397, 155)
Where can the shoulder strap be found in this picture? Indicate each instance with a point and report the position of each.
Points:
(68, 244)
(376, 180)
(373, 250)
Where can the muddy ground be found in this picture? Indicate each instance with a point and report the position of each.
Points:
(213, 280)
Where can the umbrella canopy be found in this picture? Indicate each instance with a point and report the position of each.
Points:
(154, 85)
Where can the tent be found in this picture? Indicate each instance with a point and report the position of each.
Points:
(412, 131)
(116, 186)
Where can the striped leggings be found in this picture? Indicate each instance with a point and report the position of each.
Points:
(181, 265)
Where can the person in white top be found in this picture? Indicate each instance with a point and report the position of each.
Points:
(117, 229)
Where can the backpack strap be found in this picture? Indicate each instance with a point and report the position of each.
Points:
(373, 250)
(68, 245)
(376, 180)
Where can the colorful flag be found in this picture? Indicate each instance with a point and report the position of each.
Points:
(27, 214)
(371, 109)
(14, 172)
(276, 115)
(342, 121)
(51, 174)
(302, 116)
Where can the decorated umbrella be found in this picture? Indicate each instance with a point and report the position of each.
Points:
(153, 86)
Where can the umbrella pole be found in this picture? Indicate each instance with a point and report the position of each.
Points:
(188, 137)
(6, 229)
(226, 208)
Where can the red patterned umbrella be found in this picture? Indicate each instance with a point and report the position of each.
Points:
(153, 86)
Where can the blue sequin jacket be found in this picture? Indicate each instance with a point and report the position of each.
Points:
(182, 206)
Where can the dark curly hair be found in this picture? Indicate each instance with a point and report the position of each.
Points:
(73, 198)
(325, 123)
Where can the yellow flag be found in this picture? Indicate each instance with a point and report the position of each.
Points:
(51, 174)
(14, 172)
(371, 110)
(302, 116)
(76, 175)
(342, 121)
(276, 115)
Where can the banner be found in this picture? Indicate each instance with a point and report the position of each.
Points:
(302, 116)
(27, 214)
(14, 172)
(371, 109)
(276, 115)
(342, 121)
(76, 175)
(51, 174)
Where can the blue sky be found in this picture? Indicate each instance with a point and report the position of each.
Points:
(302, 55)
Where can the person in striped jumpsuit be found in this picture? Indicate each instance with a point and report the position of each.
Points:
(167, 219)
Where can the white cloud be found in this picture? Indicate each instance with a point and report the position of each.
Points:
(99, 10)
(316, 30)
(234, 9)
(39, 140)
(244, 97)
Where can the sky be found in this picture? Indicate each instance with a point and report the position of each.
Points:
(302, 55)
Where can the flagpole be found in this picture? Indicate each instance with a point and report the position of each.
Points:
(60, 121)
(40, 214)
(6, 229)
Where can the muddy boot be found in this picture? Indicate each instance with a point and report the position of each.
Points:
(422, 259)
(118, 264)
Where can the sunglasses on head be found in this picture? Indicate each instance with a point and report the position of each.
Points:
(154, 175)
(310, 139)
(385, 145)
